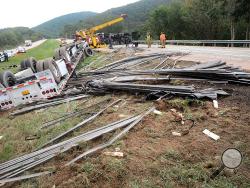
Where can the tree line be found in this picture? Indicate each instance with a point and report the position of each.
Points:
(11, 37)
(201, 19)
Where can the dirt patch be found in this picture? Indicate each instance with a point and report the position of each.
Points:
(150, 148)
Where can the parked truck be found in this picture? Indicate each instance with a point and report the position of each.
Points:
(28, 42)
(90, 34)
(41, 79)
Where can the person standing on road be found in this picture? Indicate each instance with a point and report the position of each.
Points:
(6, 57)
(126, 40)
(163, 39)
(110, 41)
(149, 40)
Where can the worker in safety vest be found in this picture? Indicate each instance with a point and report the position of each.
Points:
(163, 39)
(149, 40)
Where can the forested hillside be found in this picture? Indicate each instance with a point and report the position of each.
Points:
(180, 19)
(206, 19)
(11, 37)
(54, 28)
(138, 13)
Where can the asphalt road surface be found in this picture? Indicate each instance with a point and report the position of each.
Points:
(239, 57)
(35, 44)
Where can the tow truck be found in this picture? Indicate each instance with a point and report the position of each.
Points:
(42, 79)
(90, 36)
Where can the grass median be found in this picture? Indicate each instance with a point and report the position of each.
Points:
(42, 51)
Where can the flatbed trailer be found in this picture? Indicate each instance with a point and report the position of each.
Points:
(42, 85)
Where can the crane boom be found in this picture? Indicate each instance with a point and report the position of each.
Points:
(107, 24)
(90, 33)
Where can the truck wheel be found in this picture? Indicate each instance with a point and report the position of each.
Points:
(39, 66)
(23, 65)
(57, 54)
(61, 53)
(88, 51)
(31, 63)
(52, 66)
(7, 79)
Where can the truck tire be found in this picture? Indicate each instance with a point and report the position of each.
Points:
(52, 66)
(57, 54)
(31, 63)
(61, 53)
(39, 66)
(23, 65)
(7, 79)
(88, 51)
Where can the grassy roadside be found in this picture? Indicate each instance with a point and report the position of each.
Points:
(42, 51)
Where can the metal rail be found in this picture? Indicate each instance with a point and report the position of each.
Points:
(245, 43)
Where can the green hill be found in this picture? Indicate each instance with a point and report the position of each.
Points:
(54, 27)
(137, 12)
(11, 37)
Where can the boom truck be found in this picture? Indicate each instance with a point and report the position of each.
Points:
(41, 79)
(90, 36)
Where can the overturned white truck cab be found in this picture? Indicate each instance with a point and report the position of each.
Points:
(41, 79)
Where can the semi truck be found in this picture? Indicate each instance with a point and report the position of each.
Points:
(41, 79)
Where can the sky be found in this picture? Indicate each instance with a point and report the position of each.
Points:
(30, 13)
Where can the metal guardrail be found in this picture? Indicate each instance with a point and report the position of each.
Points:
(201, 42)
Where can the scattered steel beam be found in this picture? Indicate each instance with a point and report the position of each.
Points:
(46, 105)
(8, 180)
(18, 165)
(113, 139)
(72, 114)
(84, 122)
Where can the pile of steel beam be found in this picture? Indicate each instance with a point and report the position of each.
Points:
(23, 163)
(115, 77)
(105, 86)
(216, 71)
(212, 71)
(136, 60)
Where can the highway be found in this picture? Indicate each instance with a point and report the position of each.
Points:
(232, 55)
(35, 44)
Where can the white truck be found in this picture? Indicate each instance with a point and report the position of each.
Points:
(41, 79)
(28, 42)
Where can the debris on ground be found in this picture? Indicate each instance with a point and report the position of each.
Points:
(157, 112)
(16, 166)
(113, 153)
(152, 79)
(211, 134)
(8, 180)
(216, 105)
(178, 116)
(176, 134)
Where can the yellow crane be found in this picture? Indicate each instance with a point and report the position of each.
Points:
(89, 34)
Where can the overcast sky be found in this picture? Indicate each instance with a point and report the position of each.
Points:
(30, 13)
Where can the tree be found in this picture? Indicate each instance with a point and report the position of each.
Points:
(242, 11)
(167, 19)
(204, 19)
(228, 7)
